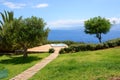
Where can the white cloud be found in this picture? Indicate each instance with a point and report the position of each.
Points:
(65, 24)
(114, 20)
(41, 5)
(13, 5)
(71, 24)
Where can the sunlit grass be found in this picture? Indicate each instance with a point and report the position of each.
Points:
(16, 64)
(88, 65)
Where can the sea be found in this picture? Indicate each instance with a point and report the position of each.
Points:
(78, 35)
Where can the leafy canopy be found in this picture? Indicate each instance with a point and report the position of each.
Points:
(98, 26)
(21, 33)
(28, 32)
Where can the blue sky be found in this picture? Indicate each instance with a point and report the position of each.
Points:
(64, 14)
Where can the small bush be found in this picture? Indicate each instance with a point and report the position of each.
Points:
(62, 51)
(51, 50)
(99, 46)
(78, 47)
(105, 45)
(68, 50)
(90, 47)
(65, 50)
(112, 44)
(75, 48)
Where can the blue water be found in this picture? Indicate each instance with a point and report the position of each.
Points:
(79, 35)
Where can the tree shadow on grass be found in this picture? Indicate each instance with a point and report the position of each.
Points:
(20, 60)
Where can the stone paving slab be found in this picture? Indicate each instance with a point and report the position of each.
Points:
(34, 69)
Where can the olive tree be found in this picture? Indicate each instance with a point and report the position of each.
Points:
(28, 32)
(97, 26)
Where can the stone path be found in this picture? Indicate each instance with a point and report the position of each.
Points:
(34, 69)
(43, 48)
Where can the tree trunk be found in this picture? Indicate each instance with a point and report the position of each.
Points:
(25, 52)
(99, 37)
(100, 40)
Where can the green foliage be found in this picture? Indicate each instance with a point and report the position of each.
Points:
(90, 47)
(99, 46)
(62, 51)
(83, 47)
(28, 32)
(5, 23)
(68, 50)
(51, 50)
(21, 33)
(114, 42)
(7, 17)
(79, 47)
(97, 26)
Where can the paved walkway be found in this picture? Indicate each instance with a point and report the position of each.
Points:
(43, 48)
(34, 69)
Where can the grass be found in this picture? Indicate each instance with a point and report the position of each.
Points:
(17, 64)
(88, 65)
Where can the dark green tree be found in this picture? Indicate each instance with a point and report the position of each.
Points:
(97, 26)
(24, 33)
(28, 32)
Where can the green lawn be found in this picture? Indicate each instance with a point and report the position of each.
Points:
(16, 64)
(88, 65)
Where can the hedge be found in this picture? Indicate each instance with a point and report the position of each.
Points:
(91, 47)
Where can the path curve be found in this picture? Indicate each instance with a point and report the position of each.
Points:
(34, 69)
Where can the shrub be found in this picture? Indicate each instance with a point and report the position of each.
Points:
(67, 50)
(83, 47)
(118, 42)
(90, 47)
(75, 48)
(112, 43)
(99, 46)
(51, 50)
(105, 45)
(78, 47)
(62, 51)
(86, 47)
